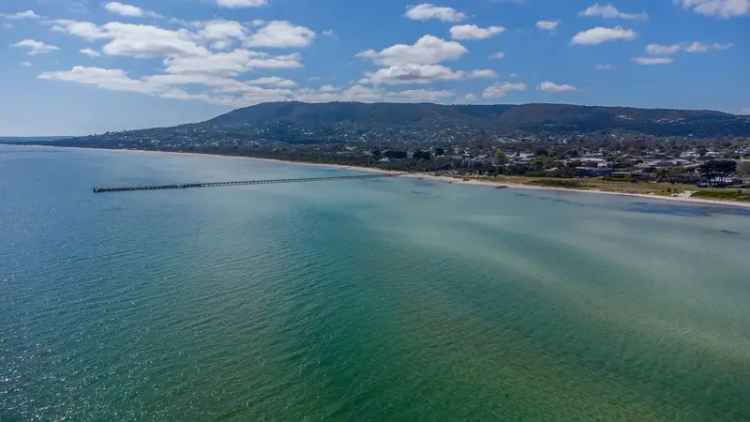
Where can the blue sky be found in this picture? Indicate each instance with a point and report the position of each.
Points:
(84, 66)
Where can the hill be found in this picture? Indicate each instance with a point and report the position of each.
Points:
(340, 122)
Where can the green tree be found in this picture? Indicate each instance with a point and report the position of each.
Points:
(743, 168)
(500, 157)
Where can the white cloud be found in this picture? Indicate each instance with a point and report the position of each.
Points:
(427, 50)
(412, 74)
(745, 111)
(273, 81)
(427, 11)
(604, 67)
(547, 25)
(148, 41)
(663, 50)
(698, 47)
(498, 56)
(652, 61)
(35, 47)
(223, 91)
(127, 10)
(720, 8)
(599, 35)
(554, 88)
(281, 34)
(86, 30)
(90, 52)
(234, 93)
(502, 89)
(482, 74)
(422, 74)
(236, 4)
(371, 94)
(473, 32)
(26, 64)
(470, 98)
(183, 51)
(231, 63)
(111, 79)
(221, 33)
(27, 14)
(610, 12)
(694, 47)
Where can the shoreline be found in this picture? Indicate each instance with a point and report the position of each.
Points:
(434, 178)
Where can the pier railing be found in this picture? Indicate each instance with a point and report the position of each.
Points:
(104, 189)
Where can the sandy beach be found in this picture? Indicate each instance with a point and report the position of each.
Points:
(445, 179)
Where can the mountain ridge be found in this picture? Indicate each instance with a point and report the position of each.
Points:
(340, 122)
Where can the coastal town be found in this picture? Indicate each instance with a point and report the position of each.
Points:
(552, 159)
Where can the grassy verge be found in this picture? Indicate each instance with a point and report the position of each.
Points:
(724, 194)
(643, 188)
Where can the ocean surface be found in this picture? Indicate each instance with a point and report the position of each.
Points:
(359, 300)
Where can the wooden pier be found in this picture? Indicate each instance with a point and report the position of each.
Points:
(101, 189)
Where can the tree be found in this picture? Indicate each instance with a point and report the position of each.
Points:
(718, 169)
(500, 157)
(743, 168)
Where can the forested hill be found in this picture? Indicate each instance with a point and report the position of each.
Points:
(532, 118)
(339, 122)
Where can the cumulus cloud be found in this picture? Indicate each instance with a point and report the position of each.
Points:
(611, 12)
(652, 61)
(234, 93)
(699, 47)
(368, 94)
(427, 11)
(415, 64)
(111, 79)
(129, 10)
(427, 50)
(474, 32)
(148, 41)
(482, 74)
(225, 91)
(35, 47)
(599, 35)
(693, 47)
(497, 56)
(663, 50)
(199, 61)
(554, 88)
(90, 52)
(281, 34)
(231, 63)
(547, 25)
(273, 81)
(236, 4)
(26, 14)
(422, 74)
(185, 51)
(720, 8)
(502, 89)
(220, 34)
(86, 30)
(604, 67)
(411, 74)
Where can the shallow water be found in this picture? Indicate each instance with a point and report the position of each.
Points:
(383, 299)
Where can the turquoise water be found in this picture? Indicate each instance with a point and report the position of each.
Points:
(359, 300)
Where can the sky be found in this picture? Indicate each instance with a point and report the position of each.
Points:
(75, 67)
